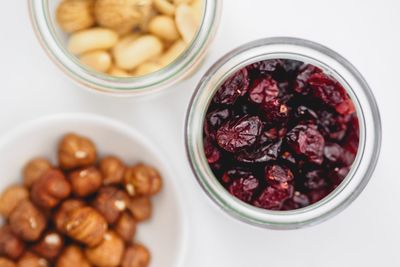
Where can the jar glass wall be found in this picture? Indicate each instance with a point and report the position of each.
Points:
(53, 41)
(333, 64)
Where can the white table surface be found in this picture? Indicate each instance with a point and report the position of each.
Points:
(364, 31)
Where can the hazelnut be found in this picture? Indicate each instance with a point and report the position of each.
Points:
(76, 151)
(50, 189)
(122, 15)
(10, 199)
(85, 225)
(111, 203)
(126, 227)
(142, 180)
(27, 221)
(10, 245)
(140, 207)
(136, 256)
(61, 216)
(75, 15)
(32, 260)
(85, 181)
(34, 169)
(49, 246)
(108, 253)
(4, 262)
(112, 170)
(72, 256)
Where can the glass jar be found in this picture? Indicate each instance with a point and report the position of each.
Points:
(53, 41)
(330, 62)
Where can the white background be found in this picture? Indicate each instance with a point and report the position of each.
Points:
(366, 32)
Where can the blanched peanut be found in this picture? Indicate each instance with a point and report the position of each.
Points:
(124, 42)
(97, 60)
(115, 71)
(164, 27)
(173, 53)
(138, 51)
(178, 2)
(147, 68)
(164, 7)
(92, 39)
(198, 6)
(186, 22)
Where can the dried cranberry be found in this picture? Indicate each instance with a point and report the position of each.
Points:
(239, 133)
(266, 66)
(260, 153)
(264, 90)
(276, 174)
(307, 141)
(315, 179)
(244, 188)
(305, 114)
(337, 175)
(212, 153)
(272, 198)
(330, 92)
(298, 201)
(301, 80)
(287, 156)
(351, 140)
(235, 174)
(215, 119)
(317, 194)
(236, 86)
(332, 125)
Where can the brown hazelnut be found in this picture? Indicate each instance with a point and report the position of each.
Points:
(61, 216)
(112, 169)
(126, 227)
(85, 181)
(72, 256)
(111, 203)
(136, 256)
(75, 15)
(142, 180)
(4, 262)
(85, 225)
(32, 260)
(49, 246)
(27, 221)
(108, 253)
(34, 169)
(10, 199)
(10, 245)
(141, 208)
(76, 151)
(50, 189)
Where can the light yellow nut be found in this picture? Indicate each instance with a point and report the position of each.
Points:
(124, 42)
(164, 27)
(75, 15)
(186, 22)
(117, 72)
(173, 52)
(138, 51)
(198, 8)
(147, 68)
(164, 7)
(97, 60)
(120, 15)
(178, 2)
(92, 39)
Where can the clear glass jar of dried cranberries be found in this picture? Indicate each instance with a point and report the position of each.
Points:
(283, 133)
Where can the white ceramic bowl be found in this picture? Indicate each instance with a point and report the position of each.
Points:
(165, 233)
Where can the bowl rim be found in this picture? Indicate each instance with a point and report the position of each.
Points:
(133, 133)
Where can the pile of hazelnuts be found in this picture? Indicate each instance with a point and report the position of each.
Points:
(82, 213)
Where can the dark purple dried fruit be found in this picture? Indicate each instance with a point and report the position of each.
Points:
(298, 201)
(236, 86)
(272, 198)
(260, 153)
(276, 174)
(244, 188)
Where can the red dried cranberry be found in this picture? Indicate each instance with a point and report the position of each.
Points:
(264, 90)
(301, 80)
(212, 153)
(352, 137)
(307, 141)
(337, 175)
(236, 86)
(298, 201)
(235, 174)
(272, 198)
(276, 174)
(314, 179)
(330, 92)
(215, 119)
(266, 66)
(332, 125)
(317, 194)
(260, 153)
(239, 133)
(244, 188)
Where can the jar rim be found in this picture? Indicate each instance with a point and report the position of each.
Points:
(309, 52)
(46, 33)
